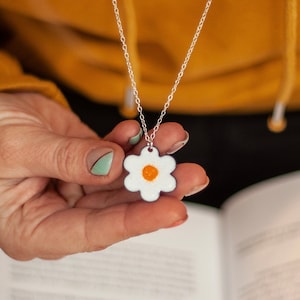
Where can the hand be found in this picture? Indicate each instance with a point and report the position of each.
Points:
(53, 203)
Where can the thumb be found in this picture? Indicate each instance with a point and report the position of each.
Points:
(40, 153)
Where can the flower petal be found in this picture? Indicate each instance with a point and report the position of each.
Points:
(150, 189)
(130, 162)
(131, 183)
(150, 194)
(168, 184)
(167, 163)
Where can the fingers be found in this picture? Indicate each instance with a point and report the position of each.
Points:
(190, 179)
(126, 134)
(135, 219)
(36, 152)
(57, 231)
(40, 138)
(169, 139)
(79, 230)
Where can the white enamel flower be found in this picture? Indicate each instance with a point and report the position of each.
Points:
(150, 173)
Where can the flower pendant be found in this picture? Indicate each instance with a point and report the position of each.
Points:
(150, 173)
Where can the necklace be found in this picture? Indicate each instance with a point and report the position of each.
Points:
(149, 172)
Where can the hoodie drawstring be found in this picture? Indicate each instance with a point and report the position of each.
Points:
(277, 121)
(128, 109)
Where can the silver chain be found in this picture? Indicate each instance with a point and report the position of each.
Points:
(150, 138)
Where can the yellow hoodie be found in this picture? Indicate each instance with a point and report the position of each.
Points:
(245, 60)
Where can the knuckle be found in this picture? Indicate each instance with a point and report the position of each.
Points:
(68, 159)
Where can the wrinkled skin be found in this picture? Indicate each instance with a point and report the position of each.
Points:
(51, 205)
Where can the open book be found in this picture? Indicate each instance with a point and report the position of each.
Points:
(248, 250)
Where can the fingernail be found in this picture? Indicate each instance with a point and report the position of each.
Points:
(198, 189)
(179, 145)
(135, 139)
(178, 222)
(102, 165)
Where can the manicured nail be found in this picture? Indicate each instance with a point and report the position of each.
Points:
(103, 164)
(198, 188)
(179, 145)
(135, 139)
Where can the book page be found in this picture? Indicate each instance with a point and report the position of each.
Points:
(263, 237)
(178, 263)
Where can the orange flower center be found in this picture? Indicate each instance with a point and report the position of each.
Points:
(150, 172)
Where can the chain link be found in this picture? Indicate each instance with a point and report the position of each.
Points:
(150, 138)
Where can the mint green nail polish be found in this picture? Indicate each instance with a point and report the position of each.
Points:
(135, 139)
(103, 164)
